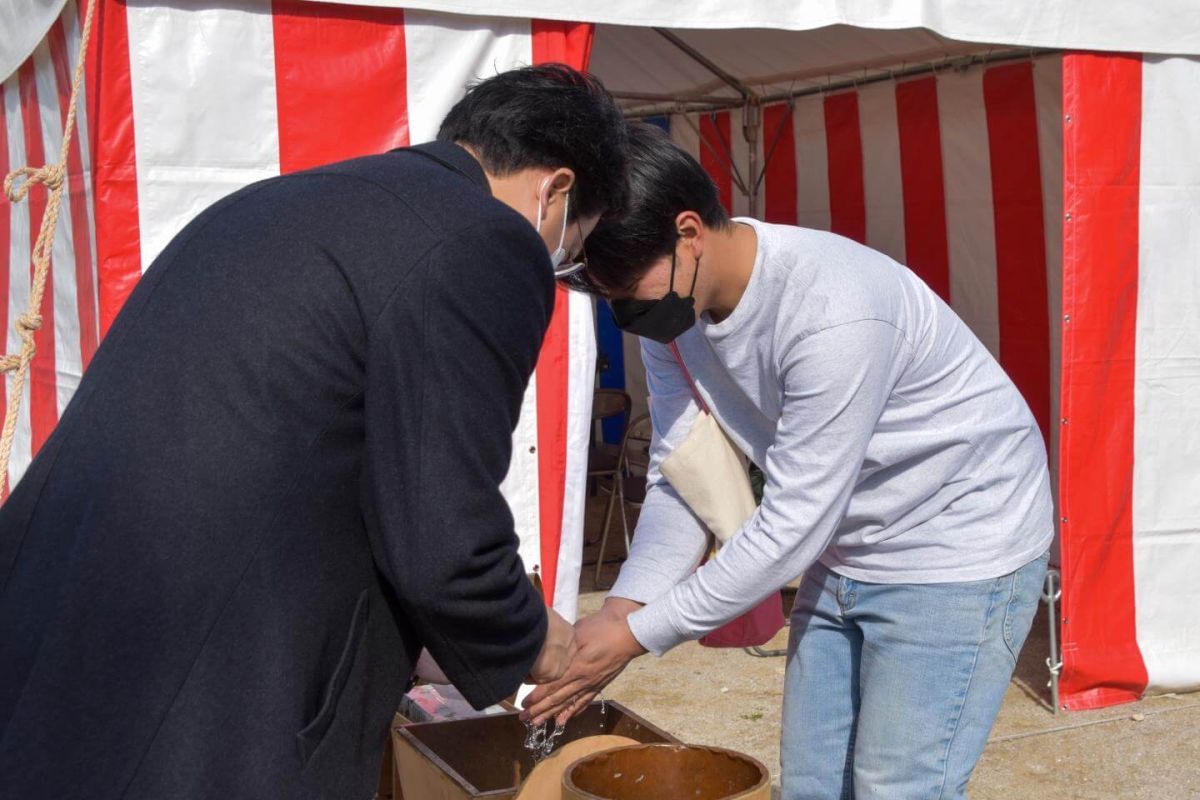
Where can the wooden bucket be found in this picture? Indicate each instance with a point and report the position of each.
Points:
(658, 771)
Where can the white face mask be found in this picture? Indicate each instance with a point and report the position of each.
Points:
(560, 254)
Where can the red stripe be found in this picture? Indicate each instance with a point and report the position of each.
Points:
(562, 42)
(927, 253)
(5, 265)
(567, 43)
(1102, 96)
(779, 133)
(847, 204)
(553, 371)
(114, 163)
(77, 199)
(343, 63)
(43, 389)
(714, 154)
(1022, 295)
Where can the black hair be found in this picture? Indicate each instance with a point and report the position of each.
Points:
(547, 116)
(664, 181)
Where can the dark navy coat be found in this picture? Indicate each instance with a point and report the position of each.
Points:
(277, 480)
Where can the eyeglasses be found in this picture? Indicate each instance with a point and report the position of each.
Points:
(571, 273)
(569, 269)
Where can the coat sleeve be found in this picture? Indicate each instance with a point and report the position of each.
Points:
(448, 360)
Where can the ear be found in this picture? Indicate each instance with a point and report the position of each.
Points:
(691, 230)
(557, 183)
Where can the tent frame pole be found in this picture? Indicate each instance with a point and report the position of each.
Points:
(672, 104)
(726, 153)
(1051, 594)
(751, 118)
(752, 130)
(745, 91)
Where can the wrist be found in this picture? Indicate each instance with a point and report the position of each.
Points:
(635, 647)
(620, 607)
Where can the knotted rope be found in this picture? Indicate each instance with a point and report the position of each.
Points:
(17, 185)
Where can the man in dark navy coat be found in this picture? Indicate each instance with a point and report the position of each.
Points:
(279, 478)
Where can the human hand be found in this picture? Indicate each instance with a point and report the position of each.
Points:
(604, 646)
(557, 651)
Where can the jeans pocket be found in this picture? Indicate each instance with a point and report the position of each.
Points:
(1022, 603)
(309, 738)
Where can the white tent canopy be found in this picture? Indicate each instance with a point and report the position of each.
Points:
(1169, 27)
(1160, 26)
(651, 68)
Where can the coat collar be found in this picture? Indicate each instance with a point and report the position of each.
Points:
(453, 157)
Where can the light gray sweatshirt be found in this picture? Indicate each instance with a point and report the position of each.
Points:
(896, 449)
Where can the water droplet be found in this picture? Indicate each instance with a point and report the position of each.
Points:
(540, 739)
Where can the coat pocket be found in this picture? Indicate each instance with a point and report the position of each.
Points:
(308, 739)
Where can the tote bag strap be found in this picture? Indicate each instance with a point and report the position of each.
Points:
(691, 382)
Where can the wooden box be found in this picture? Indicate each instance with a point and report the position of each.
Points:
(486, 757)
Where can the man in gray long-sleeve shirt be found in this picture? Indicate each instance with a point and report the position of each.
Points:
(906, 479)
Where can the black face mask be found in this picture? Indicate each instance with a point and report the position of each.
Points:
(663, 320)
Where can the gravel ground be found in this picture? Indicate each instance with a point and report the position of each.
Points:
(1149, 749)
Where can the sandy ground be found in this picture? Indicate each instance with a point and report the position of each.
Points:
(1149, 749)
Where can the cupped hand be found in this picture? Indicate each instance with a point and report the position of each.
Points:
(557, 651)
(604, 645)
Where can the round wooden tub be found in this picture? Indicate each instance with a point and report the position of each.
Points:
(661, 771)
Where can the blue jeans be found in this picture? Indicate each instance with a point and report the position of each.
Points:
(892, 689)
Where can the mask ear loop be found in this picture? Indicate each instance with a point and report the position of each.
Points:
(541, 207)
(671, 285)
(695, 275)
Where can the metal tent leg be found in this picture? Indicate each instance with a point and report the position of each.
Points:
(1051, 594)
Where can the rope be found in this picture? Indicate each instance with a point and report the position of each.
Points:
(17, 185)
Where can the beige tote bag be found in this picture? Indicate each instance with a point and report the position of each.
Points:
(708, 472)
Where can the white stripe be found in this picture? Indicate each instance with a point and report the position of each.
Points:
(204, 112)
(1047, 84)
(882, 185)
(970, 225)
(18, 276)
(581, 384)
(1166, 481)
(446, 52)
(812, 164)
(738, 152)
(68, 362)
(521, 486)
(685, 132)
(83, 134)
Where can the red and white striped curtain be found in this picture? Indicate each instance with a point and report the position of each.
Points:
(187, 103)
(1130, 455)
(957, 175)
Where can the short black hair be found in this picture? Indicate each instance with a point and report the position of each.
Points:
(664, 181)
(547, 116)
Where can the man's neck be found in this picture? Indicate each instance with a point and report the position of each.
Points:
(731, 256)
